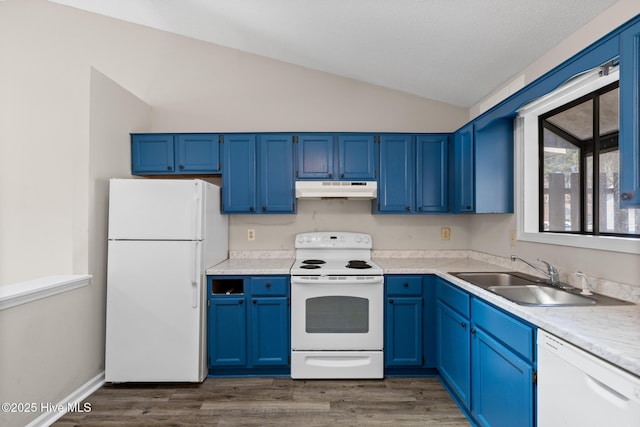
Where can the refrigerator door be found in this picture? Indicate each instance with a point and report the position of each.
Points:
(156, 209)
(155, 312)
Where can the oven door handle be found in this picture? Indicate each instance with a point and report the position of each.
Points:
(336, 280)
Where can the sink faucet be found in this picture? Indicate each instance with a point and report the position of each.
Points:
(551, 273)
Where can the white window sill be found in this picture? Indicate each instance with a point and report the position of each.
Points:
(605, 243)
(32, 290)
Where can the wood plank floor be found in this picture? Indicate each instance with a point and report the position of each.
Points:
(272, 402)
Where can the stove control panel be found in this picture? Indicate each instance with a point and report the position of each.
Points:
(339, 240)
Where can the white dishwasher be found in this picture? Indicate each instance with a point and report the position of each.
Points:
(576, 388)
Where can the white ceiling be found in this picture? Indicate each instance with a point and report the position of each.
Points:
(455, 51)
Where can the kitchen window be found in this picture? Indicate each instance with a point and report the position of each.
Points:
(567, 167)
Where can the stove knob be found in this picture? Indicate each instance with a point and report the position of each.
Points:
(308, 239)
(358, 238)
(366, 239)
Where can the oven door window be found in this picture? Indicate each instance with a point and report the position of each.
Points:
(337, 315)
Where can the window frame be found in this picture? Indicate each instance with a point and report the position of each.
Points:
(590, 149)
(527, 183)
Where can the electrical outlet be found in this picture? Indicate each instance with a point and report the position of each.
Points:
(513, 236)
(251, 234)
(445, 233)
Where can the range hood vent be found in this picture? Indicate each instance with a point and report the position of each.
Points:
(358, 190)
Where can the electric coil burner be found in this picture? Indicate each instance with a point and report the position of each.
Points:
(336, 307)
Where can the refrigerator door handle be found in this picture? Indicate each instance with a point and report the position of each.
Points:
(196, 212)
(194, 275)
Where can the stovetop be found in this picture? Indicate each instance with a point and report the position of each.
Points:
(334, 253)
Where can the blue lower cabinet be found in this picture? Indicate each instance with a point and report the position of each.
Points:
(248, 326)
(454, 352)
(270, 331)
(502, 384)
(486, 358)
(404, 332)
(227, 345)
(409, 347)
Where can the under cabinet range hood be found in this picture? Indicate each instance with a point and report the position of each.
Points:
(358, 190)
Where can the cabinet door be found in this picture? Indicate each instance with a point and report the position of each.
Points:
(432, 173)
(315, 156)
(494, 167)
(463, 170)
(152, 153)
(198, 153)
(453, 352)
(357, 158)
(227, 331)
(275, 174)
(397, 174)
(269, 331)
(239, 177)
(403, 335)
(502, 384)
(629, 140)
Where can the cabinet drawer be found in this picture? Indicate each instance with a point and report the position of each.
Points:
(455, 298)
(512, 332)
(269, 286)
(404, 285)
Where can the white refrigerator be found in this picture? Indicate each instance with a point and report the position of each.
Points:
(163, 235)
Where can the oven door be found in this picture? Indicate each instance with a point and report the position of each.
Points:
(337, 312)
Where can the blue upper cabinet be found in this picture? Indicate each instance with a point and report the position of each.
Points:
(629, 140)
(493, 167)
(482, 171)
(413, 173)
(397, 174)
(356, 157)
(275, 174)
(152, 154)
(345, 157)
(315, 156)
(432, 157)
(463, 171)
(258, 174)
(197, 153)
(155, 154)
(239, 177)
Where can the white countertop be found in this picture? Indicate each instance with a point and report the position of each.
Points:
(251, 266)
(610, 332)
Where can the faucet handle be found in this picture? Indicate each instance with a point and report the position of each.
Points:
(554, 276)
(550, 268)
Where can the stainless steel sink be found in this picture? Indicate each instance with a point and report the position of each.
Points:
(525, 289)
(540, 296)
(488, 279)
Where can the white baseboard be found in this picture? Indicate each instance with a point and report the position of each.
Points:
(74, 400)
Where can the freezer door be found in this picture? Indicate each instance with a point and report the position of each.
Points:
(155, 312)
(156, 209)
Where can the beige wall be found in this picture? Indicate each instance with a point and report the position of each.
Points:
(491, 233)
(64, 130)
(388, 231)
(65, 125)
(601, 25)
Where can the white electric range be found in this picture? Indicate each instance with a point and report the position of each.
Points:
(336, 307)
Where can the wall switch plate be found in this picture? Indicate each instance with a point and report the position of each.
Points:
(251, 234)
(445, 233)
